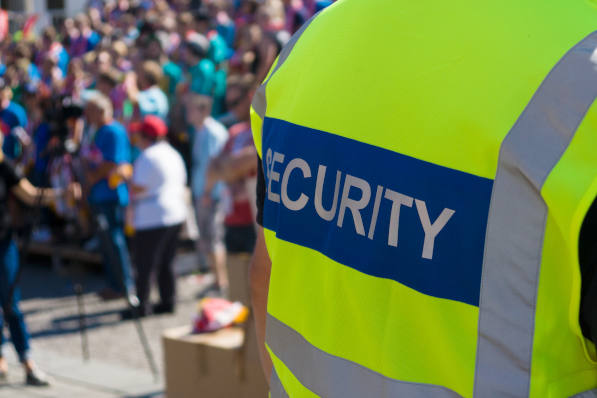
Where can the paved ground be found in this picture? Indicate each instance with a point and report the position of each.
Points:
(117, 365)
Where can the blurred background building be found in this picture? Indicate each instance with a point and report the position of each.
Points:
(47, 11)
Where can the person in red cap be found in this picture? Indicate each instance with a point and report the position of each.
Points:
(158, 199)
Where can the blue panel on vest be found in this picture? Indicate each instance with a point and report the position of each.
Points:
(389, 216)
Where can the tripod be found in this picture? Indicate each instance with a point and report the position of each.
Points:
(131, 299)
(103, 227)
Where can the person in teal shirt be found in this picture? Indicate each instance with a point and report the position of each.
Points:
(202, 70)
(219, 50)
(173, 73)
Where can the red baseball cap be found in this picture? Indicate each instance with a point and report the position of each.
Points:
(152, 126)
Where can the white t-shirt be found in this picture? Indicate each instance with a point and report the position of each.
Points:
(161, 171)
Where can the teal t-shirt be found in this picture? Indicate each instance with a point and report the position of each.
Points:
(203, 76)
(219, 106)
(218, 49)
(173, 73)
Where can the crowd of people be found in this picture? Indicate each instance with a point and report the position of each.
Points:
(145, 106)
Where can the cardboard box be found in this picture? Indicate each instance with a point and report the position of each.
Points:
(223, 364)
(238, 276)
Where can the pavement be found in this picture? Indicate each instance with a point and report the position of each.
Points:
(117, 366)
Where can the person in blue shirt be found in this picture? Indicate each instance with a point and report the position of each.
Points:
(13, 121)
(208, 139)
(109, 149)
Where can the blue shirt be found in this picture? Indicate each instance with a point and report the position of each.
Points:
(113, 144)
(41, 138)
(207, 144)
(153, 101)
(12, 116)
(63, 61)
(321, 4)
(218, 49)
(228, 32)
(93, 40)
(34, 74)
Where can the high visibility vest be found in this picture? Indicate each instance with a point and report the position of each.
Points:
(428, 168)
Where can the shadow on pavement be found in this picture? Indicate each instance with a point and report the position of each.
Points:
(39, 280)
(157, 394)
(70, 324)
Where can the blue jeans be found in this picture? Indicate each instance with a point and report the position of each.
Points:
(9, 257)
(117, 263)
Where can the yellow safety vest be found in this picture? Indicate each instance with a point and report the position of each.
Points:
(428, 167)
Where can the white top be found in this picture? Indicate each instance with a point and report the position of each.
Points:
(161, 171)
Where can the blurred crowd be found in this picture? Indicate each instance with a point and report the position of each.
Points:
(145, 104)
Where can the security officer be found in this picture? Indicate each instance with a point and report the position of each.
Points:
(427, 168)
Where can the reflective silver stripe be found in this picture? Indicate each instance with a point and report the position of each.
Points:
(517, 218)
(586, 394)
(276, 389)
(259, 103)
(333, 377)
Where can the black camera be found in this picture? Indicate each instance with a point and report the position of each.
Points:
(66, 108)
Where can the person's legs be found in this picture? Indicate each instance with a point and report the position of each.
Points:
(145, 251)
(218, 256)
(218, 260)
(117, 265)
(3, 363)
(166, 277)
(103, 214)
(211, 240)
(150, 247)
(201, 255)
(9, 257)
(122, 250)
